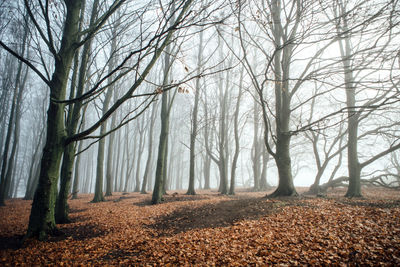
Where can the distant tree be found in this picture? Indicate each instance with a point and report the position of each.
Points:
(42, 219)
(194, 128)
(13, 129)
(357, 62)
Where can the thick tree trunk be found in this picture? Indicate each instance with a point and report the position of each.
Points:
(354, 168)
(42, 220)
(62, 209)
(283, 162)
(282, 62)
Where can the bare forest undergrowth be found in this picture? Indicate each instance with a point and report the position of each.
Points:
(210, 229)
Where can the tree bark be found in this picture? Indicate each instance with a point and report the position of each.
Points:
(162, 146)
(42, 220)
(282, 62)
(98, 193)
(236, 135)
(13, 126)
(193, 134)
(150, 151)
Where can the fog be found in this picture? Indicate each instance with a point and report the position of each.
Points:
(188, 95)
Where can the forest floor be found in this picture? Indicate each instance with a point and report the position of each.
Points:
(209, 229)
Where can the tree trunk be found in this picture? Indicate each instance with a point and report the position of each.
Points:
(5, 188)
(150, 150)
(283, 162)
(62, 209)
(193, 134)
(98, 193)
(354, 168)
(162, 146)
(256, 150)
(13, 126)
(75, 187)
(110, 154)
(140, 152)
(236, 134)
(159, 179)
(126, 158)
(282, 63)
(263, 181)
(207, 171)
(42, 220)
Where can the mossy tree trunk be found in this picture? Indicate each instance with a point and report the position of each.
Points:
(42, 219)
(62, 208)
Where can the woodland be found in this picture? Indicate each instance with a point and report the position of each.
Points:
(199, 132)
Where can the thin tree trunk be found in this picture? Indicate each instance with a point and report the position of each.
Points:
(256, 150)
(236, 135)
(15, 114)
(150, 151)
(98, 194)
(139, 158)
(193, 134)
(162, 147)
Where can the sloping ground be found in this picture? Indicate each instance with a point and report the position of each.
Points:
(209, 229)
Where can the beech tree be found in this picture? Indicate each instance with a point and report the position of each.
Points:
(15, 77)
(280, 25)
(42, 219)
(359, 62)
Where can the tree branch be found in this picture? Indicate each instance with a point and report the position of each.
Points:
(24, 60)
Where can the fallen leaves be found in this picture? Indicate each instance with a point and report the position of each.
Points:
(212, 230)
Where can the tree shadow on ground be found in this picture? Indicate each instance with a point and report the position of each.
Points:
(79, 232)
(174, 198)
(10, 242)
(75, 210)
(221, 214)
